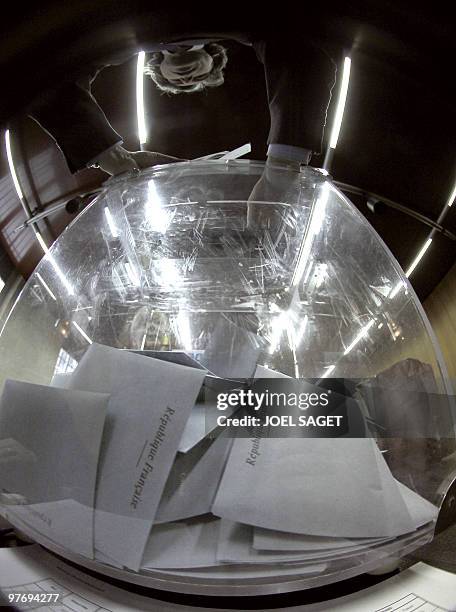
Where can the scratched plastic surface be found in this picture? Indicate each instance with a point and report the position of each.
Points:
(178, 258)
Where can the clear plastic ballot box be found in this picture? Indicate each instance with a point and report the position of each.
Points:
(175, 299)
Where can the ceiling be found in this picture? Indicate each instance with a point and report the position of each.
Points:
(398, 136)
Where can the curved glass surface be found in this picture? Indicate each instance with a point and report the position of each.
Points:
(174, 289)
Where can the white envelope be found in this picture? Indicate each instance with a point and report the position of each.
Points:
(64, 522)
(149, 405)
(324, 487)
(193, 481)
(235, 545)
(182, 545)
(239, 571)
(202, 421)
(49, 449)
(99, 556)
(267, 539)
(420, 510)
(203, 418)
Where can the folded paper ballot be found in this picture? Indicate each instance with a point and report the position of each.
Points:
(203, 417)
(421, 512)
(235, 544)
(193, 481)
(182, 545)
(150, 402)
(420, 509)
(211, 544)
(59, 521)
(322, 487)
(202, 421)
(269, 540)
(49, 447)
(204, 414)
(178, 357)
(99, 556)
(193, 544)
(237, 571)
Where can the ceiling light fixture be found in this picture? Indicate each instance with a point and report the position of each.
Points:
(12, 169)
(419, 257)
(340, 104)
(452, 196)
(142, 131)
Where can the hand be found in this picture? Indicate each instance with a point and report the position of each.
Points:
(270, 205)
(118, 160)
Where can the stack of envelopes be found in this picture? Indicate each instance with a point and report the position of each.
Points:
(125, 465)
(302, 505)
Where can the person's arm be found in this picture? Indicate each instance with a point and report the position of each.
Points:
(74, 119)
(299, 79)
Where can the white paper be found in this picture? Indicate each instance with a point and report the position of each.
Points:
(204, 415)
(266, 539)
(202, 422)
(324, 487)
(235, 546)
(99, 556)
(177, 357)
(195, 428)
(149, 405)
(49, 449)
(182, 545)
(239, 571)
(193, 481)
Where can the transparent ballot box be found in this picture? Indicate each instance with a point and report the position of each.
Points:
(219, 381)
